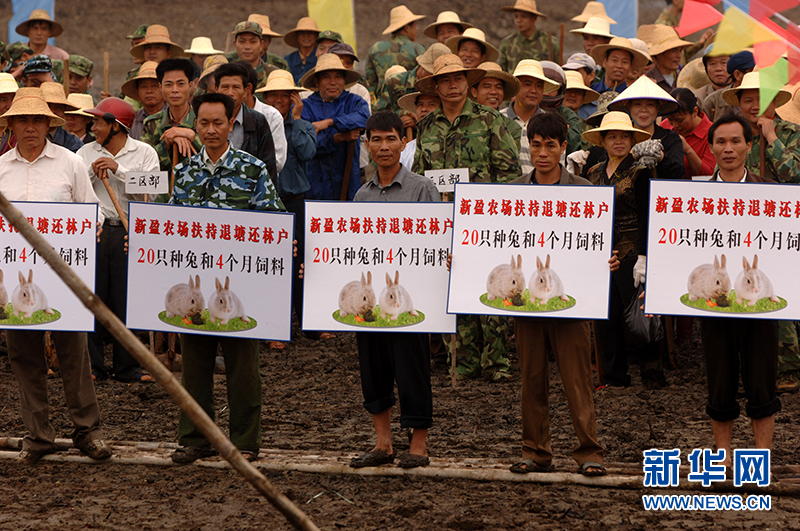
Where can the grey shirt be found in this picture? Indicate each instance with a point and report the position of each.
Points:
(406, 187)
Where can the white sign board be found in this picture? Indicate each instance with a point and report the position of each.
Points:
(398, 249)
(32, 296)
(692, 225)
(147, 182)
(559, 238)
(446, 179)
(210, 271)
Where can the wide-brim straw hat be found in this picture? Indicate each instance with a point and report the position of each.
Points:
(531, 68)
(280, 80)
(325, 63)
(529, 6)
(393, 71)
(790, 111)
(445, 17)
(473, 34)
(615, 121)
(664, 38)
(8, 85)
(434, 51)
(603, 102)
(202, 46)
(511, 85)
(263, 21)
(595, 26)
(640, 60)
(82, 101)
(54, 93)
(146, 71)
(304, 24)
(645, 88)
(693, 76)
(29, 101)
(752, 80)
(40, 15)
(399, 16)
(575, 82)
(156, 34)
(448, 64)
(409, 101)
(211, 64)
(593, 9)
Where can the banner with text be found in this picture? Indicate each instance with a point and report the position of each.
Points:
(378, 267)
(723, 250)
(210, 271)
(32, 296)
(533, 251)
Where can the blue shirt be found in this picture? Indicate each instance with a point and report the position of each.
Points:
(296, 65)
(63, 138)
(301, 143)
(601, 86)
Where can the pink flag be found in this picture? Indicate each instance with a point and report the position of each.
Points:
(761, 9)
(697, 15)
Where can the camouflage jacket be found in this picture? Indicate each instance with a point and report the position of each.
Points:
(782, 157)
(240, 181)
(399, 50)
(154, 126)
(666, 18)
(514, 128)
(392, 90)
(478, 139)
(269, 59)
(517, 47)
(575, 129)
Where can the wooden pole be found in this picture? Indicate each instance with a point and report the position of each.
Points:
(409, 133)
(122, 217)
(175, 158)
(106, 73)
(561, 46)
(348, 165)
(762, 155)
(162, 375)
(65, 77)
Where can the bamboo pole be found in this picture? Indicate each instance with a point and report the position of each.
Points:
(161, 374)
(122, 217)
(106, 74)
(65, 77)
(348, 166)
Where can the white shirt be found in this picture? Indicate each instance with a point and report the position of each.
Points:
(134, 156)
(210, 164)
(236, 137)
(57, 175)
(407, 155)
(716, 177)
(275, 121)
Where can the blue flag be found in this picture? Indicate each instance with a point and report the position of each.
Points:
(22, 10)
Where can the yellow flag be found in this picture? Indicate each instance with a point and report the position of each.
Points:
(336, 15)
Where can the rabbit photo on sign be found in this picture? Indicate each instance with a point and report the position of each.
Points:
(709, 281)
(3, 292)
(224, 305)
(28, 297)
(185, 300)
(545, 283)
(357, 297)
(506, 281)
(395, 300)
(753, 285)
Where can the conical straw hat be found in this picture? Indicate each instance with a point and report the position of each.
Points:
(615, 121)
(82, 101)
(593, 9)
(263, 21)
(752, 80)
(399, 16)
(327, 62)
(511, 85)
(473, 34)
(790, 111)
(280, 80)
(29, 101)
(529, 6)
(146, 71)
(575, 82)
(445, 17)
(448, 64)
(156, 34)
(596, 26)
(531, 68)
(54, 93)
(640, 60)
(304, 24)
(645, 88)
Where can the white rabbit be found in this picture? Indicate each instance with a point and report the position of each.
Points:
(357, 297)
(709, 281)
(395, 300)
(185, 300)
(28, 297)
(545, 284)
(225, 305)
(506, 280)
(3, 292)
(753, 285)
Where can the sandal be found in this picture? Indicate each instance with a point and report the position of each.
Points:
(599, 470)
(139, 377)
(190, 454)
(413, 461)
(526, 466)
(250, 455)
(373, 458)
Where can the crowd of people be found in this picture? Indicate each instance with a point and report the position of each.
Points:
(266, 133)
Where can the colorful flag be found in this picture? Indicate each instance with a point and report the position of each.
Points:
(697, 15)
(336, 15)
(770, 81)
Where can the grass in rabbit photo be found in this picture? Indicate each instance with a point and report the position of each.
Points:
(207, 324)
(373, 319)
(9, 317)
(728, 304)
(357, 304)
(525, 305)
(505, 288)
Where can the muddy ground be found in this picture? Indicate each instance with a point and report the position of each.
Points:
(312, 401)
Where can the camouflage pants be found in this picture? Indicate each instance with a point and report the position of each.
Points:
(480, 346)
(788, 346)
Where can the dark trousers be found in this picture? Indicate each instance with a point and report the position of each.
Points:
(386, 357)
(749, 346)
(111, 285)
(296, 205)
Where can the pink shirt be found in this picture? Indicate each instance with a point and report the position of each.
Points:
(53, 52)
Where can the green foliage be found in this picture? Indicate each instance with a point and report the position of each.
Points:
(762, 305)
(234, 325)
(553, 305)
(37, 318)
(404, 319)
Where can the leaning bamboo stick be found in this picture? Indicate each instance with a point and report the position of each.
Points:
(121, 213)
(162, 375)
(106, 73)
(65, 77)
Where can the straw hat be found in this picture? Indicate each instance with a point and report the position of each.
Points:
(448, 64)
(211, 63)
(528, 6)
(664, 38)
(409, 101)
(156, 34)
(38, 15)
(280, 80)
(640, 45)
(304, 24)
(400, 16)
(82, 101)
(202, 46)
(639, 60)
(511, 85)
(603, 102)
(263, 21)
(615, 121)
(531, 68)
(327, 62)
(393, 71)
(593, 9)
(790, 111)
(752, 80)
(434, 51)
(54, 93)
(595, 26)
(693, 76)
(575, 82)
(146, 71)
(30, 101)
(8, 85)
(473, 34)
(645, 88)
(445, 17)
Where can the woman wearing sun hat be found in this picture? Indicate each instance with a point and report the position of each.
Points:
(692, 125)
